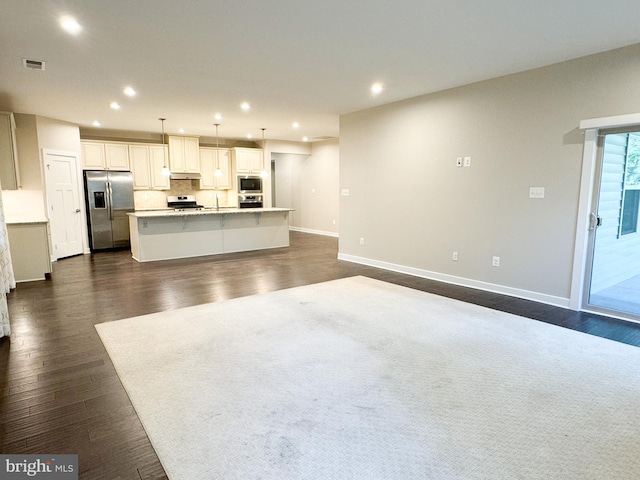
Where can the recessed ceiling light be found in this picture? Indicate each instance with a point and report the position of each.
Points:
(181, 130)
(295, 125)
(96, 123)
(129, 92)
(249, 135)
(305, 139)
(218, 116)
(70, 25)
(377, 88)
(115, 105)
(245, 106)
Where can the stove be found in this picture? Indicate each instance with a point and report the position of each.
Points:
(182, 203)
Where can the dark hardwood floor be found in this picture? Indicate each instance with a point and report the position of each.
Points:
(59, 392)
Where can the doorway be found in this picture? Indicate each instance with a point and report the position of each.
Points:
(63, 203)
(612, 281)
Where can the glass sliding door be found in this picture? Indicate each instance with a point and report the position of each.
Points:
(614, 280)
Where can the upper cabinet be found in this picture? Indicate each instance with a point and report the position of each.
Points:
(146, 166)
(248, 160)
(105, 156)
(184, 154)
(209, 163)
(9, 173)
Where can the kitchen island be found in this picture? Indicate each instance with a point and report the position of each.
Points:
(169, 234)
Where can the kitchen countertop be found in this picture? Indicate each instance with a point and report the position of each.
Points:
(17, 220)
(205, 211)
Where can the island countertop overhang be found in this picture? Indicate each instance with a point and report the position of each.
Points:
(205, 211)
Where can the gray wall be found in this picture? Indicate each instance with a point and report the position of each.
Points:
(414, 207)
(309, 184)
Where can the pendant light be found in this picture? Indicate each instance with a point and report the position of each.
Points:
(263, 173)
(165, 172)
(218, 171)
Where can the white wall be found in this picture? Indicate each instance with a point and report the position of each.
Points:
(33, 134)
(414, 207)
(28, 202)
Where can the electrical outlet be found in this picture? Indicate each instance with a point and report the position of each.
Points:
(467, 161)
(459, 162)
(361, 240)
(454, 256)
(333, 221)
(496, 261)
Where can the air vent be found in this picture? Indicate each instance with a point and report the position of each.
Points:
(33, 64)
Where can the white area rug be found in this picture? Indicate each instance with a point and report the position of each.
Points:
(361, 379)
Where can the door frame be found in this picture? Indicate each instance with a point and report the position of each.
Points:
(591, 128)
(79, 192)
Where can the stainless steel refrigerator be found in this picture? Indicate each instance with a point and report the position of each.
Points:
(109, 197)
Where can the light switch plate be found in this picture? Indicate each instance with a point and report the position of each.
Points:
(467, 161)
(344, 192)
(536, 192)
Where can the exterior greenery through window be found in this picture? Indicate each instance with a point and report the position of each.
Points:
(631, 198)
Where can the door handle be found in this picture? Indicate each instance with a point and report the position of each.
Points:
(110, 199)
(77, 210)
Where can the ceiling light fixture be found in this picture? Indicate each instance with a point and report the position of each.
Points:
(115, 105)
(96, 123)
(70, 25)
(245, 106)
(295, 125)
(263, 173)
(377, 88)
(165, 172)
(181, 130)
(305, 139)
(218, 171)
(249, 136)
(218, 117)
(129, 91)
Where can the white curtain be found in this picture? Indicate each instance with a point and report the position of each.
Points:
(7, 279)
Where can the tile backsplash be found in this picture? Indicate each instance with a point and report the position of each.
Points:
(151, 199)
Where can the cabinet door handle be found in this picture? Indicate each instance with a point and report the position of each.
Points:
(77, 210)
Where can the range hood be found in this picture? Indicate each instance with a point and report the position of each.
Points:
(185, 176)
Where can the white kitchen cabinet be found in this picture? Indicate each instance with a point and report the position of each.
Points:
(105, 156)
(146, 166)
(208, 166)
(93, 156)
(248, 160)
(116, 156)
(158, 155)
(184, 154)
(9, 172)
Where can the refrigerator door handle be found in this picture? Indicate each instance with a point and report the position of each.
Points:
(110, 200)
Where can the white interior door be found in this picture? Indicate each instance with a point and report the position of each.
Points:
(63, 203)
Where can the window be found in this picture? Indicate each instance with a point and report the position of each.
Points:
(631, 193)
(630, 204)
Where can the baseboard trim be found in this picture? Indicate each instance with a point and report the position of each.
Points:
(461, 281)
(315, 232)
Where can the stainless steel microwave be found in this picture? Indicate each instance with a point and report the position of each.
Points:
(249, 184)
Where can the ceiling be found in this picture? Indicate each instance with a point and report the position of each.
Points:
(292, 60)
